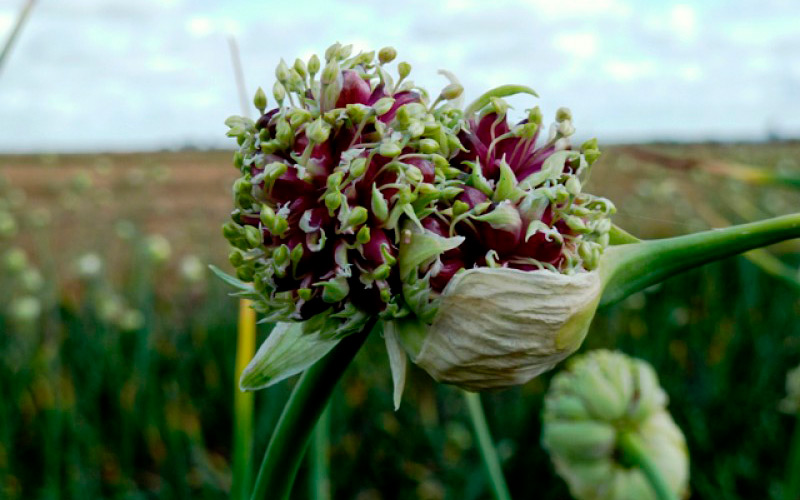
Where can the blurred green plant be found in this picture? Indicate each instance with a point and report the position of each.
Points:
(166, 432)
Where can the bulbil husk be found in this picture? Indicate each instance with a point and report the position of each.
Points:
(499, 327)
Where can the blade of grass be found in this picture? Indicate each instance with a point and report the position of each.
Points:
(243, 404)
(792, 486)
(486, 446)
(319, 462)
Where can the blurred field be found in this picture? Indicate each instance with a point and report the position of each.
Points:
(117, 347)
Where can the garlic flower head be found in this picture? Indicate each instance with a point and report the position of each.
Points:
(469, 235)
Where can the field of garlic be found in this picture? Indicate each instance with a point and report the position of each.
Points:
(117, 346)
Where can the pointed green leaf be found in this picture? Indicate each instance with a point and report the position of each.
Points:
(420, 246)
(286, 352)
(501, 91)
(227, 278)
(398, 361)
(552, 169)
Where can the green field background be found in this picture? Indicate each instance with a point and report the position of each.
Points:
(117, 381)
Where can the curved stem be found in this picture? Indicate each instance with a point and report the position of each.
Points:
(309, 398)
(486, 446)
(632, 267)
(635, 454)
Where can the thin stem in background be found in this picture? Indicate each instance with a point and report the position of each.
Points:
(792, 485)
(15, 31)
(486, 446)
(245, 349)
(319, 458)
(307, 402)
(238, 74)
(635, 454)
(243, 405)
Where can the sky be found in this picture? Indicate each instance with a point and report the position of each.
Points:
(90, 75)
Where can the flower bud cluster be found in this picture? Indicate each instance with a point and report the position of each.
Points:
(352, 169)
(328, 176)
(519, 205)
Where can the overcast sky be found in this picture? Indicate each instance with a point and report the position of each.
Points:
(144, 74)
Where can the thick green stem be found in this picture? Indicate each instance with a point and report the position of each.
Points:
(632, 267)
(309, 398)
(792, 486)
(319, 463)
(634, 453)
(486, 446)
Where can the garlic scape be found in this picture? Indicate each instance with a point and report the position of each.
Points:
(499, 327)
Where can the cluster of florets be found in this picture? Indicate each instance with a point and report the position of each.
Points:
(333, 176)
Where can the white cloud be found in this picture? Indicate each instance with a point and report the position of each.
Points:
(629, 70)
(683, 20)
(158, 71)
(578, 44)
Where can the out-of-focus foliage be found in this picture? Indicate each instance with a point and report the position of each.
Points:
(117, 348)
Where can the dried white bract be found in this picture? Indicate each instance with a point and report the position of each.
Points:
(500, 327)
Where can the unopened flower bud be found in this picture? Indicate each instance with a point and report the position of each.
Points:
(330, 73)
(383, 105)
(318, 131)
(363, 235)
(279, 92)
(260, 100)
(298, 117)
(358, 167)
(253, 236)
(452, 91)
(387, 55)
(282, 72)
(357, 216)
(380, 208)
(281, 254)
(403, 69)
(428, 146)
(313, 65)
(357, 112)
(236, 258)
(535, 116)
(300, 67)
(563, 114)
(333, 201)
(389, 149)
(334, 290)
(594, 411)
